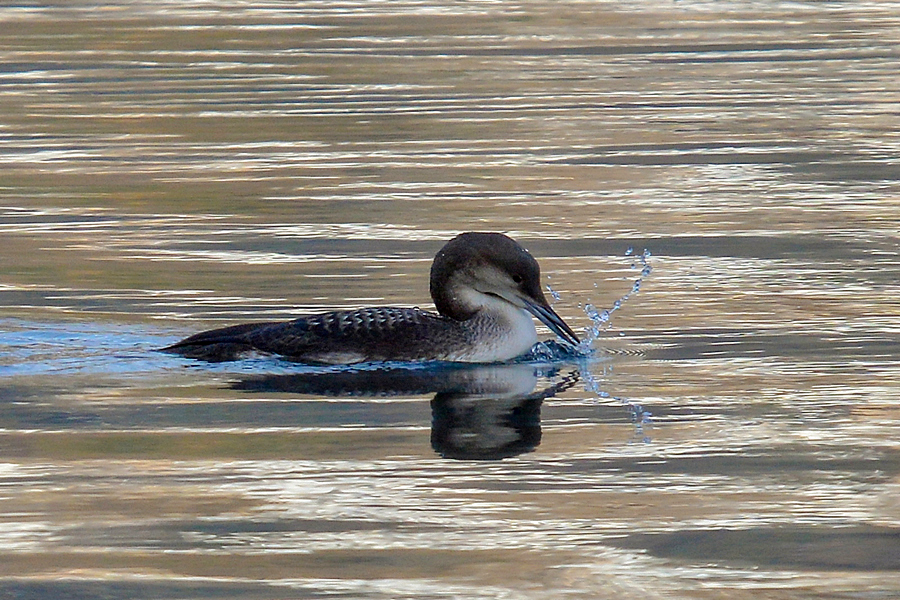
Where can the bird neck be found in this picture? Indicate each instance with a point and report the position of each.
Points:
(498, 331)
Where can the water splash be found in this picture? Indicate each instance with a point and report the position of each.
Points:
(641, 418)
(551, 351)
(553, 293)
(601, 319)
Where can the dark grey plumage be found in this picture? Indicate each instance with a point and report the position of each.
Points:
(366, 334)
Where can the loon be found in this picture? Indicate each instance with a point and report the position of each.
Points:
(485, 286)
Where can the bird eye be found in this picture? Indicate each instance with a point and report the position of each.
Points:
(517, 278)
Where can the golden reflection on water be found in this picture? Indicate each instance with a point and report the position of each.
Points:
(169, 167)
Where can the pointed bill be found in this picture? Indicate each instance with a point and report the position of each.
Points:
(548, 317)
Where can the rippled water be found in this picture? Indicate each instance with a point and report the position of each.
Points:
(168, 167)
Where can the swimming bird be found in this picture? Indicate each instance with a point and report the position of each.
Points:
(485, 286)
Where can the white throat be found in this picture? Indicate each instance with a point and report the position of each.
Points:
(500, 331)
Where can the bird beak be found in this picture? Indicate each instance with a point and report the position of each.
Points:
(548, 317)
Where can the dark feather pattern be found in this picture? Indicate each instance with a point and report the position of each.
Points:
(367, 334)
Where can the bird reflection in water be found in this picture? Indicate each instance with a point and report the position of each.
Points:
(483, 412)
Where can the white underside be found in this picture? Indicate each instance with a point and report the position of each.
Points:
(336, 358)
(501, 331)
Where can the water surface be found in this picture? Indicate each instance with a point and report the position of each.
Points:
(169, 167)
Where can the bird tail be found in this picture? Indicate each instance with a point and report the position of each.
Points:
(225, 343)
